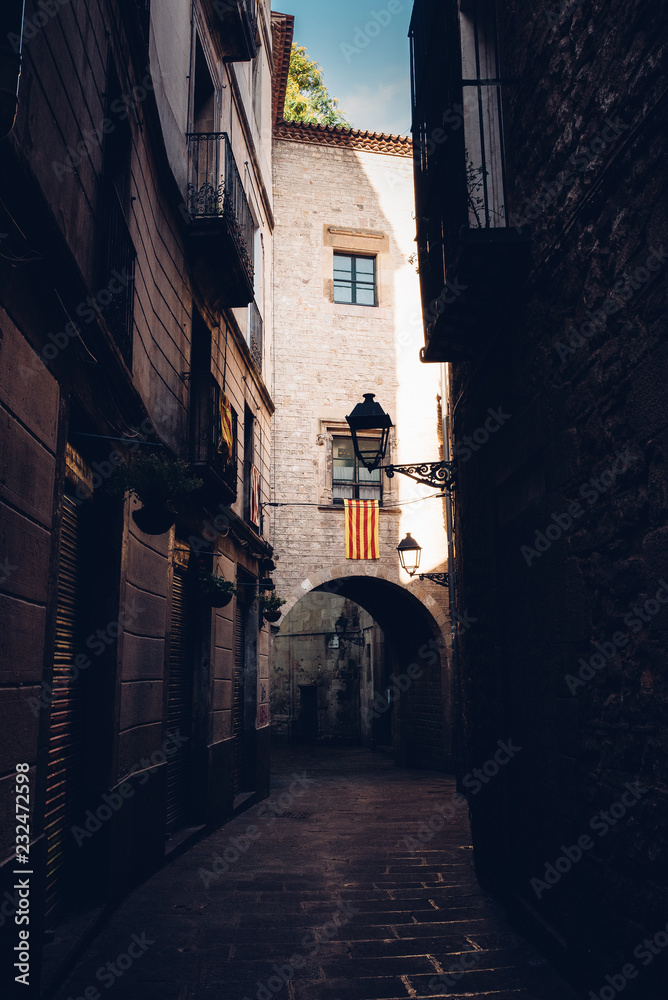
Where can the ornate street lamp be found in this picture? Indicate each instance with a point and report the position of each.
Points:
(370, 416)
(409, 556)
(340, 626)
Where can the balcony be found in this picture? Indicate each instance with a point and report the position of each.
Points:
(471, 262)
(205, 438)
(255, 335)
(236, 21)
(220, 221)
(117, 270)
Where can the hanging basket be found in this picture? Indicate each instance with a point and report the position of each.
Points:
(216, 591)
(271, 616)
(220, 601)
(154, 519)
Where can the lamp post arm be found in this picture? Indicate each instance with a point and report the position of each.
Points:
(440, 475)
(442, 578)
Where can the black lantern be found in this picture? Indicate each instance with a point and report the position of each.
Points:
(340, 625)
(409, 554)
(371, 417)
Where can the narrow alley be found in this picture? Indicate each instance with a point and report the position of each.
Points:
(316, 894)
(333, 473)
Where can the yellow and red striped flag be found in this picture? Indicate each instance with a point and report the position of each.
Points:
(226, 444)
(362, 517)
(255, 496)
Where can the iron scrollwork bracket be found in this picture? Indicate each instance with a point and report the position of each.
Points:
(357, 640)
(442, 578)
(440, 475)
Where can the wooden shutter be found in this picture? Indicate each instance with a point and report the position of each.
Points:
(238, 705)
(179, 706)
(64, 784)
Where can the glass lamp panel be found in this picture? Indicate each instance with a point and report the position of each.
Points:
(411, 559)
(368, 446)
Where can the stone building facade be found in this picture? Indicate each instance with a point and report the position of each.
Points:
(136, 261)
(561, 538)
(342, 195)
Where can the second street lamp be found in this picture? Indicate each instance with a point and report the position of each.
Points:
(410, 551)
(370, 416)
(409, 554)
(340, 625)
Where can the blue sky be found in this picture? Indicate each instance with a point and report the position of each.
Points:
(364, 58)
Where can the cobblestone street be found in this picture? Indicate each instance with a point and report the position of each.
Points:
(321, 899)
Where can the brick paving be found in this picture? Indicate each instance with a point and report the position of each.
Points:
(323, 902)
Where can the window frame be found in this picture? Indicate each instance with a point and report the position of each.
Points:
(353, 280)
(355, 483)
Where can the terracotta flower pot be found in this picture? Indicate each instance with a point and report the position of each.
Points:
(154, 519)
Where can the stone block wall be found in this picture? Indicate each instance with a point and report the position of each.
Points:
(561, 516)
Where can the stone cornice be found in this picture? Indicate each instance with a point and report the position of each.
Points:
(282, 28)
(344, 138)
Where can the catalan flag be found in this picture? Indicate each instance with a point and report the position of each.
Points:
(362, 529)
(226, 443)
(255, 496)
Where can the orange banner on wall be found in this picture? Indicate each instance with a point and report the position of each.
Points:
(362, 524)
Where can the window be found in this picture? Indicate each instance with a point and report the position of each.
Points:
(350, 480)
(355, 279)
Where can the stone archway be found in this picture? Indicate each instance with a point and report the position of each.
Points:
(439, 613)
(416, 631)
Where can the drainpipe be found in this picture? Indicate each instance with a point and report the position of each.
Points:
(452, 589)
(11, 45)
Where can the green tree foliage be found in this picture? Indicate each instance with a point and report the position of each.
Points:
(307, 98)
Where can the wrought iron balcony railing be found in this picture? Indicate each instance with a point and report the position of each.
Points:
(255, 334)
(467, 252)
(117, 269)
(218, 206)
(206, 434)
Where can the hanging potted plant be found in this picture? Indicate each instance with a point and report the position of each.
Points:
(270, 605)
(159, 483)
(215, 590)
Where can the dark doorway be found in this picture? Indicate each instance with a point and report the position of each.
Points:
(238, 697)
(82, 685)
(308, 713)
